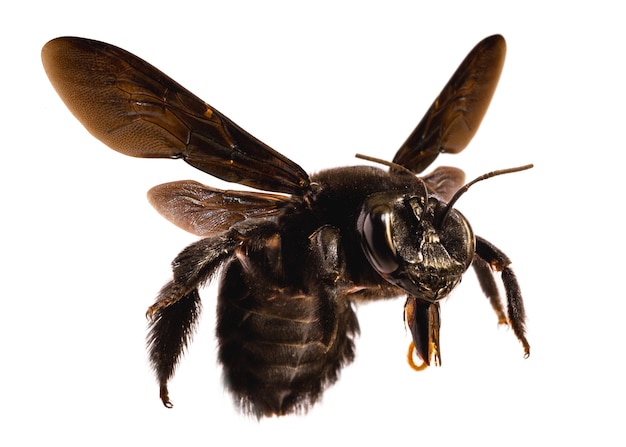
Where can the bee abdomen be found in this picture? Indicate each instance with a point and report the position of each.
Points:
(280, 348)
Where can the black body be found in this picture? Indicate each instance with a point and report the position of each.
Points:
(292, 265)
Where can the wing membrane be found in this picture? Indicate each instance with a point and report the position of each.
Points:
(454, 117)
(445, 181)
(206, 211)
(137, 110)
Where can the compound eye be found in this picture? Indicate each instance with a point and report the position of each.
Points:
(378, 241)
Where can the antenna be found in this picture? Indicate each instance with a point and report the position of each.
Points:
(463, 189)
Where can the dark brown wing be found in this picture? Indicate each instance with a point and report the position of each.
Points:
(454, 117)
(137, 110)
(445, 181)
(206, 211)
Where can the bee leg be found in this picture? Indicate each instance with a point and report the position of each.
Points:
(327, 281)
(515, 304)
(324, 277)
(171, 329)
(327, 278)
(174, 315)
(326, 254)
(488, 285)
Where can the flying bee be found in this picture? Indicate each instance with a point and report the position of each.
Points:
(293, 261)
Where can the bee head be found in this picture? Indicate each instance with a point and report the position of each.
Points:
(418, 242)
(406, 241)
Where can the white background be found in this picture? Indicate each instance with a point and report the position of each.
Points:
(83, 254)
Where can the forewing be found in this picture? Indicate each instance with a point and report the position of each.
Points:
(454, 117)
(206, 211)
(137, 110)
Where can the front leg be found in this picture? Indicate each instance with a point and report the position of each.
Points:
(327, 280)
(487, 282)
(515, 304)
(326, 257)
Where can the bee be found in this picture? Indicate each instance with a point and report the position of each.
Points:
(294, 260)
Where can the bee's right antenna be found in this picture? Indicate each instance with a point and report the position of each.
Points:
(463, 189)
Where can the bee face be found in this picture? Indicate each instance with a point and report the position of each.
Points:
(405, 243)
